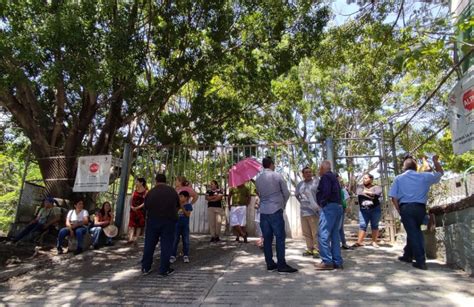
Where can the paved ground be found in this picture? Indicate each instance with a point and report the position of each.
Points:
(234, 274)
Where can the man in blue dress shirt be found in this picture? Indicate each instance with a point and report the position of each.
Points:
(409, 194)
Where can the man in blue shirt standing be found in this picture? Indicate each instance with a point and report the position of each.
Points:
(330, 219)
(409, 194)
(273, 194)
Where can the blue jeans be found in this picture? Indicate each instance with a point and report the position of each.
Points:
(31, 228)
(329, 242)
(182, 230)
(273, 225)
(95, 232)
(79, 232)
(412, 215)
(370, 215)
(342, 235)
(158, 229)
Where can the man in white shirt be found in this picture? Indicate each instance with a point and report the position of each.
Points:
(309, 211)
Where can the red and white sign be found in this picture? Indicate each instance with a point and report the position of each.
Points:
(468, 99)
(461, 114)
(94, 167)
(93, 174)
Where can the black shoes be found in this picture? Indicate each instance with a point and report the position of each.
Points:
(78, 251)
(167, 273)
(420, 266)
(338, 267)
(145, 272)
(215, 240)
(405, 259)
(287, 270)
(272, 267)
(60, 250)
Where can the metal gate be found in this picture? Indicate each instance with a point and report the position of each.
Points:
(201, 164)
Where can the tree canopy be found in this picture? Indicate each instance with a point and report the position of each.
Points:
(79, 76)
(83, 77)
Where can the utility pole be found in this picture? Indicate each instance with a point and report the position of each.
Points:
(394, 150)
(122, 193)
(330, 152)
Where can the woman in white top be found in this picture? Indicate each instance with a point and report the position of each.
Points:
(76, 225)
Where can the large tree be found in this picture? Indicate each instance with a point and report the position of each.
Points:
(73, 74)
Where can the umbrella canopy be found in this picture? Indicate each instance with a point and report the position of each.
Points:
(243, 171)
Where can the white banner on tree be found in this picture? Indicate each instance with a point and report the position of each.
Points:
(93, 174)
(461, 114)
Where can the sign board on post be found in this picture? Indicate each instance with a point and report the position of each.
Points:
(93, 174)
(461, 114)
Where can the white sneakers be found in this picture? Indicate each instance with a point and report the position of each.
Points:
(185, 259)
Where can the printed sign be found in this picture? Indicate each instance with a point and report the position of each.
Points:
(461, 114)
(93, 174)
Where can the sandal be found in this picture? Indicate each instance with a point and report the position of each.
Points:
(307, 253)
(357, 245)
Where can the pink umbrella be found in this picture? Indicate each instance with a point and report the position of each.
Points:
(243, 171)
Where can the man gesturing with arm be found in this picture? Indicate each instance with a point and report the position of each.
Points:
(409, 194)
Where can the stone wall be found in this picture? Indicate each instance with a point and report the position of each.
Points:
(456, 229)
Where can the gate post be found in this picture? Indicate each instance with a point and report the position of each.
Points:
(330, 152)
(122, 193)
(394, 150)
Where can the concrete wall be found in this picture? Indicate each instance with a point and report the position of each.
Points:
(458, 238)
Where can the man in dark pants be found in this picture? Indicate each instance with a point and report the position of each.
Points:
(409, 194)
(161, 206)
(330, 219)
(273, 194)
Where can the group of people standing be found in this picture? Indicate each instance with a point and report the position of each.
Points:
(323, 203)
(323, 200)
(321, 216)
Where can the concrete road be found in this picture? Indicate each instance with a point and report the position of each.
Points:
(233, 273)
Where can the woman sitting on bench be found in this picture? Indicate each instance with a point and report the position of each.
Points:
(103, 218)
(77, 221)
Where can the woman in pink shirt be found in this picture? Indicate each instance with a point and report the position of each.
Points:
(182, 184)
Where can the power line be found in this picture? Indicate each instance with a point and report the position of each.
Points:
(429, 138)
(453, 69)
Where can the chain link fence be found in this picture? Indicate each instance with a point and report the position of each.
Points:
(451, 190)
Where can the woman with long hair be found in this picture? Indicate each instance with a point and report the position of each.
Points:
(182, 184)
(214, 210)
(136, 222)
(370, 211)
(103, 218)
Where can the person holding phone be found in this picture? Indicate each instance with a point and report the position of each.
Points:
(409, 194)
